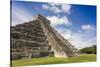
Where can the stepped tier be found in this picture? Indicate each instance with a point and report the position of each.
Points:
(21, 43)
(38, 39)
(36, 36)
(27, 29)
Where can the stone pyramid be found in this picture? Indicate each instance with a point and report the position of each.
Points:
(37, 38)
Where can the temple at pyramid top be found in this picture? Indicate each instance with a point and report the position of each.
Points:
(41, 17)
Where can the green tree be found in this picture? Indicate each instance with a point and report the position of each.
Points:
(89, 50)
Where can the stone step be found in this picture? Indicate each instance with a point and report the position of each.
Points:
(28, 29)
(29, 24)
(19, 35)
(34, 34)
(22, 43)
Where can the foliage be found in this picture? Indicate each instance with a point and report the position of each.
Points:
(89, 50)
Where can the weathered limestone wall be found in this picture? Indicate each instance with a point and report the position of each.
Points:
(60, 46)
(28, 40)
(38, 39)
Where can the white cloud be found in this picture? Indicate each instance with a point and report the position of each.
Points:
(57, 7)
(58, 20)
(44, 6)
(80, 42)
(20, 15)
(66, 8)
(87, 27)
(51, 7)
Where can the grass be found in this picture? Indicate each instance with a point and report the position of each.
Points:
(54, 60)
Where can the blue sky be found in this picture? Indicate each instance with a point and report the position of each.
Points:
(77, 23)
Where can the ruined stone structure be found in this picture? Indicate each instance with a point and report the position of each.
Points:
(38, 39)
